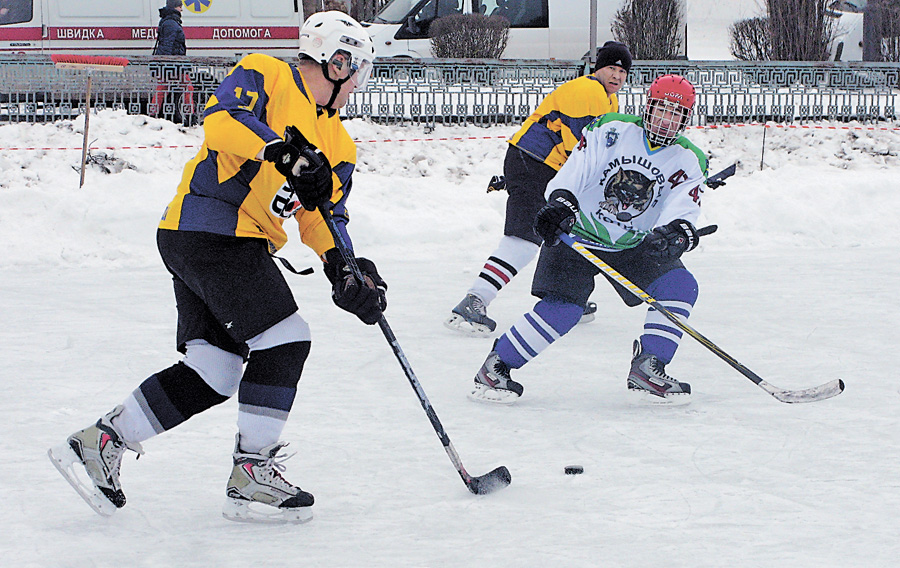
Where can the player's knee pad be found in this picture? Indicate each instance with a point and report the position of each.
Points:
(218, 368)
(291, 329)
(675, 285)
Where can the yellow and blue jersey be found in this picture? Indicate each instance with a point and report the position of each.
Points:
(553, 130)
(226, 190)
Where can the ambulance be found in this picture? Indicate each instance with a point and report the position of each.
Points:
(539, 29)
(230, 28)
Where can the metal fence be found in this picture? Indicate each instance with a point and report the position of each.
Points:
(32, 89)
(482, 92)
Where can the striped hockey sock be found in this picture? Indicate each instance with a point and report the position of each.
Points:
(511, 256)
(550, 319)
(267, 393)
(677, 292)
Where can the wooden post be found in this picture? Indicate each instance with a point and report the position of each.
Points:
(762, 157)
(87, 122)
(89, 63)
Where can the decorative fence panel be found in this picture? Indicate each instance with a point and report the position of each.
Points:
(478, 92)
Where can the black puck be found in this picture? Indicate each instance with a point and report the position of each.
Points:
(573, 469)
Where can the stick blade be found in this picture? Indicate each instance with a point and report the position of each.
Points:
(815, 394)
(489, 482)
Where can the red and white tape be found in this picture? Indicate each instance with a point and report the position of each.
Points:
(778, 125)
(449, 138)
(99, 147)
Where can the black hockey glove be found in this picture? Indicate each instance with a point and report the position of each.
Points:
(558, 216)
(497, 183)
(365, 300)
(304, 166)
(670, 241)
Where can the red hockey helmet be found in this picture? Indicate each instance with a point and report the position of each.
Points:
(670, 101)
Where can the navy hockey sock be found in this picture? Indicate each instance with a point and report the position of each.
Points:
(676, 291)
(173, 395)
(267, 393)
(550, 319)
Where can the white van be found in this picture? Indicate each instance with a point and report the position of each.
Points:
(128, 27)
(539, 29)
(848, 37)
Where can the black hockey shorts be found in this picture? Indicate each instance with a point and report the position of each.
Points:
(227, 289)
(526, 180)
(564, 273)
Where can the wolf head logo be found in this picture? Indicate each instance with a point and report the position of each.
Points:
(628, 191)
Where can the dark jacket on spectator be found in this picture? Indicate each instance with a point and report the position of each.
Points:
(170, 38)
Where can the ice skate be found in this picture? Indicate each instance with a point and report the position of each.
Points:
(493, 383)
(648, 382)
(470, 317)
(90, 460)
(590, 312)
(257, 493)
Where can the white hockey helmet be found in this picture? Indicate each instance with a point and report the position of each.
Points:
(327, 34)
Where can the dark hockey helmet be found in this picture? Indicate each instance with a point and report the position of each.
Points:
(670, 101)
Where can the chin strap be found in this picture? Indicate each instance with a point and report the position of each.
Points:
(336, 87)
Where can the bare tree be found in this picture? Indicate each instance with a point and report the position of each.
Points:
(310, 7)
(469, 35)
(793, 30)
(361, 10)
(750, 39)
(801, 30)
(364, 10)
(890, 43)
(650, 28)
(882, 25)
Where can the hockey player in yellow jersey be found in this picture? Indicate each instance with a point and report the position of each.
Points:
(231, 172)
(274, 149)
(536, 152)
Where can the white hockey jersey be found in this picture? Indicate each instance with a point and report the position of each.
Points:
(625, 187)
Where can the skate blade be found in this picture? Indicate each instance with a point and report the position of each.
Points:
(459, 324)
(242, 511)
(484, 393)
(67, 463)
(640, 397)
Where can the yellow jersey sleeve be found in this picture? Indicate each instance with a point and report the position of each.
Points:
(553, 130)
(226, 190)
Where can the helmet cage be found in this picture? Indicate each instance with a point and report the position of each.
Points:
(665, 120)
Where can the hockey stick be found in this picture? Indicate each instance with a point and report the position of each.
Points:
(718, 179)
(821, 392)
(479, 485)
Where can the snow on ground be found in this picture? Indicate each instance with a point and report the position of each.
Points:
(797, 284)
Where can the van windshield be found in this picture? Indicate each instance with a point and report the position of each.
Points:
(15, 11)
(395, 12)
